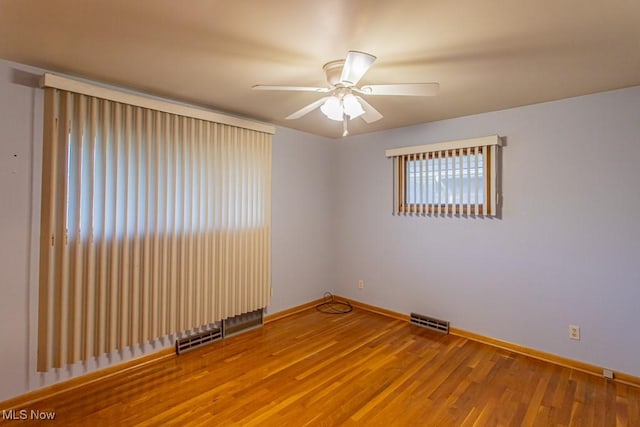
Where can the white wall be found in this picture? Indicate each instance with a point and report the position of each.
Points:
(18, 131)
(301, 232)
(566, 250)
(302, 229)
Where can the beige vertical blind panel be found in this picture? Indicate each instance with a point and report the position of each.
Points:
(449, 178)
(152, 223)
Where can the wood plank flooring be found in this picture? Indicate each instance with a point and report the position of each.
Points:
(314, 369)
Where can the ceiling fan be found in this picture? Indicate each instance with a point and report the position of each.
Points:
(344, 101)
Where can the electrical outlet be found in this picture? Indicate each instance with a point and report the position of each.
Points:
(360, 284)
(574, 332)
(272, 291)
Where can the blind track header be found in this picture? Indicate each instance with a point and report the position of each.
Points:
(71, 85)
(443, 146)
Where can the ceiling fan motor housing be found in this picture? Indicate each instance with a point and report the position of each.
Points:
(333, 72)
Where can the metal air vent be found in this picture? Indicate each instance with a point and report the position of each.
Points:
(242, 322)
(430, 323)
(198, 339)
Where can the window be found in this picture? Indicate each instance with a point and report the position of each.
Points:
(154, 221)
(451, 178)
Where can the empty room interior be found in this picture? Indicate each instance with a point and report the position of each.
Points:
(320, 213)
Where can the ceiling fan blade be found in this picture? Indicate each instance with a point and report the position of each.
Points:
(292, 88)
(307, 109)
(408, 89)
(370, 114)
(355, 66)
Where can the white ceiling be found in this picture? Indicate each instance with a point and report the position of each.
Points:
(486, 54)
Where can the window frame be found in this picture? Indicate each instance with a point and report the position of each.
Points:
(432, 208)
(488, 147)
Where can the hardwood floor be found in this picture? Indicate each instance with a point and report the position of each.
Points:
(355, 369)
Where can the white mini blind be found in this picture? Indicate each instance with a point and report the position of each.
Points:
(449, 178)
(152, 223)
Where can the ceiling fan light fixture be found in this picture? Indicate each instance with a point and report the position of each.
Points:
(352, 107)
(332, 108)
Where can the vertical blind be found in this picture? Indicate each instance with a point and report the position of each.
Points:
(152, 223)
(450, 178)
